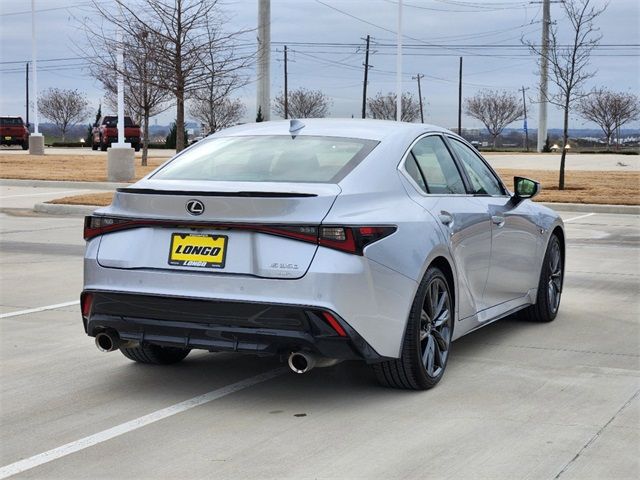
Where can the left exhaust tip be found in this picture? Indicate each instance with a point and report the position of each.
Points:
(107, 341)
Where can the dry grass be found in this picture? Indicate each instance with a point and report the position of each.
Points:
(87, 168)
(99, 199)
(618, 188)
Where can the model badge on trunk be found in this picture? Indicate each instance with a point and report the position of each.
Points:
(195, 207)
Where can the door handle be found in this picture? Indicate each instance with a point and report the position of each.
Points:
(498, 220)
(446, 218)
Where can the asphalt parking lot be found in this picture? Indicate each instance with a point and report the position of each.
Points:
(518, 401)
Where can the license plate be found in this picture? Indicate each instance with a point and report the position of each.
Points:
(192, 250)
(8, 138)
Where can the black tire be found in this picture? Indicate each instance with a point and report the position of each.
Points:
(94, 145)
(410, 371)
(103, 145)
(137, 148)
(25, 145)
(550, 285)
(155, 354)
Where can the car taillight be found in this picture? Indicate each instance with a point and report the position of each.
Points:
(96, 225)
(346, 239)
(352, 239)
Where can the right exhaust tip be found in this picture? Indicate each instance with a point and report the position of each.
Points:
(300, 362)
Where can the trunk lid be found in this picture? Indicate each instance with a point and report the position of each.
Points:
(231, 210)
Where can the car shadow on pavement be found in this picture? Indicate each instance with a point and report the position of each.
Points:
(202, 372)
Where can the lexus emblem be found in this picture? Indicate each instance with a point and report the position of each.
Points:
(195, 207)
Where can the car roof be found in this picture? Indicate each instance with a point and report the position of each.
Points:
(334, 127)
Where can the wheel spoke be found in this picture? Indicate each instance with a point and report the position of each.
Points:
(428, 355)
(441, 340)
(441, 304)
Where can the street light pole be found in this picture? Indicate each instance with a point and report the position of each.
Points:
(120, 81)
(399, 65)
(36, 140)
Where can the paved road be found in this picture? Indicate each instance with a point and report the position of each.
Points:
(551, 161)
(519, 400)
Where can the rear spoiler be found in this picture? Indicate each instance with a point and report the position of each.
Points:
(192, 193)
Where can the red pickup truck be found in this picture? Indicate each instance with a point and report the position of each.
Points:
(105, 132)
(13, 131)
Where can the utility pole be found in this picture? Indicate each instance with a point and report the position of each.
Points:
(264, 59)
(399, 65)
(418, 77)
(26, 89)
(544, 76)
(526, 129)
(286, 88)
(460, 99)
(366, 72)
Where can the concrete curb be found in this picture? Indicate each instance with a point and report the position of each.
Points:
(594, 208)
(9, 182)
(58, 209)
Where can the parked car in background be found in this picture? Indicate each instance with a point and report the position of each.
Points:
(105, 133)
(13, 131)
(320, 241)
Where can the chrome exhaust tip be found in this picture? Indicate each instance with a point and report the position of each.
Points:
(107, 341)
(301, 362)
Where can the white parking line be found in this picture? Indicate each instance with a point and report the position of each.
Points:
(578, 217)
(91, 440)
(39, 309)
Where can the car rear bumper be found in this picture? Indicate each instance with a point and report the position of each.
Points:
(371, 300)
(262, 329)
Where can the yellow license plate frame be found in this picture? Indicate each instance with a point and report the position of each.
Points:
(198, 250)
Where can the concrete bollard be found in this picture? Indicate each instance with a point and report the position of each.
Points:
(120, 164)
(36, 144)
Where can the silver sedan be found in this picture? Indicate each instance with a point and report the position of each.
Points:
(319, 241)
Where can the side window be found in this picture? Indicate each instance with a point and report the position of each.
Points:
(412, 169)
(482, 179)
(437, 167)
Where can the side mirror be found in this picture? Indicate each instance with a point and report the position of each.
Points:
(525, 188)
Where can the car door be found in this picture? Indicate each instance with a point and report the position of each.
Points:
(515, 243)
(463, 219)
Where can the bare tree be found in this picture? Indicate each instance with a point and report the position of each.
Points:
(65, 108)
(211, 104)
(569, 61)
(303, 103)
(185, 33)
(221, 113)
(495, 109)
(143, 97)
(383, 107)
(626, 107)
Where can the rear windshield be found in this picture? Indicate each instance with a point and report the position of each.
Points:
(5, 122)
(269, 159)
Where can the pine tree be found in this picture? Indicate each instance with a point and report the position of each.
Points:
(259, 117)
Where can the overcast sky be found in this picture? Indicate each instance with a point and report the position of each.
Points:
(454, 25)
